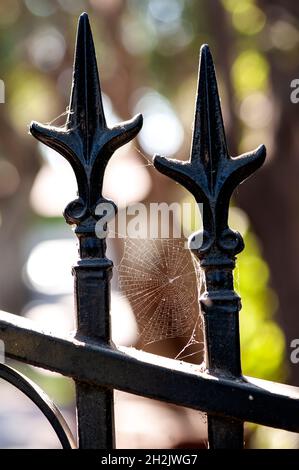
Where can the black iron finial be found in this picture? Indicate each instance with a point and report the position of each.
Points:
(211, 175)
(85, 140)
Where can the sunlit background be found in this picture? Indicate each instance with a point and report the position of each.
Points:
(148, 58)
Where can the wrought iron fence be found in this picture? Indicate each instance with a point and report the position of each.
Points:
(96, 366)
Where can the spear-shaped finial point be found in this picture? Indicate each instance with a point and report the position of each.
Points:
(210, 174)
(85, 140)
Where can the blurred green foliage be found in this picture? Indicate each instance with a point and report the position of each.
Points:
(262, 340)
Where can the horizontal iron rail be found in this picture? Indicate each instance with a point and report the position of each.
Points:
(152, 376)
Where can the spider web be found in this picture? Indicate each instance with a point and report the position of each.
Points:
(160, 280)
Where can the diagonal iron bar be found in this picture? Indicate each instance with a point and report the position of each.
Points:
(152, 376)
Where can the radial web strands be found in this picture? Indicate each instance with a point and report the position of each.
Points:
(160, 280)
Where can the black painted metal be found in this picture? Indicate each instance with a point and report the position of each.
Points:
(42, 401)
(211, 175)
(96, 366)
(87, 143)
(152, 376)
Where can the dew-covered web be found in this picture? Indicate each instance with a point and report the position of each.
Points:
(160, 280)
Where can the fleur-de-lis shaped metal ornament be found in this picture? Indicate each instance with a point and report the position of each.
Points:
(211, 174)
(85, 140)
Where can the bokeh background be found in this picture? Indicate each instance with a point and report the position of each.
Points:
(148, 58)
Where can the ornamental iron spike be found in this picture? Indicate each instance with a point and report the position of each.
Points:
(85, 140)
(211, 175)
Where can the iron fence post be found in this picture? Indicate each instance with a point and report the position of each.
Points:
(95, 410)
(88, 143)
(211, 175)
(220, 307)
